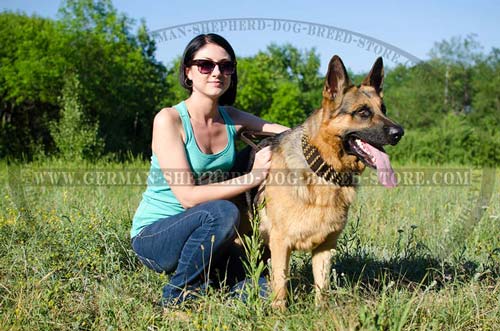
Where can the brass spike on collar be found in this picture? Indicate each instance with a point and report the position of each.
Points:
(322, 169)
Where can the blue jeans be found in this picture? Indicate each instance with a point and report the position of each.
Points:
(187, 243)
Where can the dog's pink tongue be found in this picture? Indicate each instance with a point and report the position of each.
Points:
(385, 173)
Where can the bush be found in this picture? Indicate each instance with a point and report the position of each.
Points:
(74, 137)
(453, 140)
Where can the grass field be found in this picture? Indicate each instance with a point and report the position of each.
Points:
(421, 257)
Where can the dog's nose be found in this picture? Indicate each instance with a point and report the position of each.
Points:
(395, 133)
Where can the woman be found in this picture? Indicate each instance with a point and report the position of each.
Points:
(181, 227)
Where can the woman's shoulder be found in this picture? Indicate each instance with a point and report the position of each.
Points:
(167, 116)
(167, 126)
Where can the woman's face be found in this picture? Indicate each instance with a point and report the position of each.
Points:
(214, 83)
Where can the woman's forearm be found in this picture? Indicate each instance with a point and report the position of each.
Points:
(222, 190)
(274, 127)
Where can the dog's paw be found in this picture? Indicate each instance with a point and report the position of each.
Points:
(321, 301)
(322, 304)
(279, 304)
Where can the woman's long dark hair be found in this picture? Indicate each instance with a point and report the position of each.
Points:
(194, 45)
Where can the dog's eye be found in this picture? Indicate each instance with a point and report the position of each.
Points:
(364, 113)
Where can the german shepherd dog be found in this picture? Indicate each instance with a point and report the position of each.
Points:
(324, 154)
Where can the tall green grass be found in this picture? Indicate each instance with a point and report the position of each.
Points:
(411, 258)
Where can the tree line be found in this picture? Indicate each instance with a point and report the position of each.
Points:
(88, 85)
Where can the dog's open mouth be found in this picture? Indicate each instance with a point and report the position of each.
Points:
(374, 157)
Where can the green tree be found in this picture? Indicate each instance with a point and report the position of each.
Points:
(458, 57)
(255, 85)
(122, 83)
(74, 137)
(31, 67)
(486, 92)
(286, 107)
(414, 96)
(174, 91)
(265, 78)
(288, 63)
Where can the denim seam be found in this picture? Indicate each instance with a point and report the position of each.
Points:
(140, 256)
(137, 235)
(206, 235)
(152, 261)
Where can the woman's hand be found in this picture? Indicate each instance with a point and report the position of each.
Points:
(261, 164)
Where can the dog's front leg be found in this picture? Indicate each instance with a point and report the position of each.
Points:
(280, 260)
(321, 264)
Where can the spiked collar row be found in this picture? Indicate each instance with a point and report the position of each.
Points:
(322, 169)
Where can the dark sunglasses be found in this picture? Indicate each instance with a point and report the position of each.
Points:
(207, 66)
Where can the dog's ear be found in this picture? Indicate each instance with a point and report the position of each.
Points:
(375, 78)
(336, 79)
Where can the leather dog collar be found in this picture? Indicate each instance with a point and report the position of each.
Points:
(322, 169)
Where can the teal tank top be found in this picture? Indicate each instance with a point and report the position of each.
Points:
(158, 201)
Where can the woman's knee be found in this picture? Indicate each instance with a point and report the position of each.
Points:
(226, 216)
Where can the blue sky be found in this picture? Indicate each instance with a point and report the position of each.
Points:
(413, 27)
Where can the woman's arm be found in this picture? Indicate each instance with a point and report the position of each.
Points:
(169, 148)
(246, 121)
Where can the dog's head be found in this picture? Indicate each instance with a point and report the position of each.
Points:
(355, 119)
